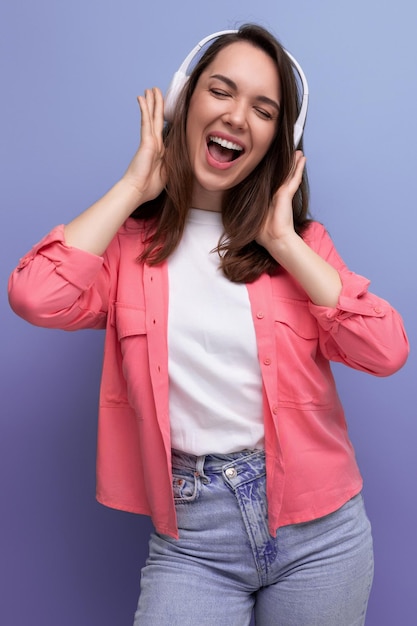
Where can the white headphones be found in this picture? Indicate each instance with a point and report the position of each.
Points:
(180, 78)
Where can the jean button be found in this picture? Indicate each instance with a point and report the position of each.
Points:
(231, 472)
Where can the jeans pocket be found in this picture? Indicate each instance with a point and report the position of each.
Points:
(185, 486)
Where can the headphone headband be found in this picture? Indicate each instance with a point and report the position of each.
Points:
(180, 79)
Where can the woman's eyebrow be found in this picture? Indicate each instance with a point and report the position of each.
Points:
(231, 83)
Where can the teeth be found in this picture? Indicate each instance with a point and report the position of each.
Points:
(226, 144)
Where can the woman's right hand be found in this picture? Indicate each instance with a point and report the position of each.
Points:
(144, 180)
(146, 171)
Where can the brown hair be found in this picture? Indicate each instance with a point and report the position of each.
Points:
(245, 206)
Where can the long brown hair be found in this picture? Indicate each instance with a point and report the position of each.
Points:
(245, 207)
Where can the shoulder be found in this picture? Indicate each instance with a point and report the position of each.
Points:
(317, 237)
(314, 231)
(126, 245)
(132, 228)
(131, 234)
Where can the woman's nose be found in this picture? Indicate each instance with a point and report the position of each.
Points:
(236, 115)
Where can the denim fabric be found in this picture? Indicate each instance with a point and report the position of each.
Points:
(226, 564)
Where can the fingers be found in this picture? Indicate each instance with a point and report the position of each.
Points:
(144, 117)
(292, 183)
(299, 162)
(158, 111)
(152, 112)
(296, 174)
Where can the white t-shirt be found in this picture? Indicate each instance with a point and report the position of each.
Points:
(214, 376)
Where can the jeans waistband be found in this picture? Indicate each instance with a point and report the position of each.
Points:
(216, 463)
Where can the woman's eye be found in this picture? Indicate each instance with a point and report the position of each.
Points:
(265, 114)
(219, 93)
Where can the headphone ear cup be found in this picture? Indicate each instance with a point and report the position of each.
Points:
(177, 84)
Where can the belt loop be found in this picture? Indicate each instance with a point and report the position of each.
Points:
(199, 469)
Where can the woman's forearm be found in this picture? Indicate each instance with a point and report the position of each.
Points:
(94, 229)
(318, 278)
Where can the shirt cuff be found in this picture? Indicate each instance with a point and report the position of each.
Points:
(354, 299)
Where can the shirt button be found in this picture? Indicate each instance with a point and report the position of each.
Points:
(267, 361)
(377, 309)
(231, 472)
(260, 315)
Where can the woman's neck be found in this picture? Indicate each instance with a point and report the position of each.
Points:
(206, 200)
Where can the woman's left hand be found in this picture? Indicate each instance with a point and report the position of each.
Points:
(318, 278)
(279, 224)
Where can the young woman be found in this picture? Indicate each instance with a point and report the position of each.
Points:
(223, 306)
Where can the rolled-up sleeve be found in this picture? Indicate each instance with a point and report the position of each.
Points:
(362, 330)
(59, 286)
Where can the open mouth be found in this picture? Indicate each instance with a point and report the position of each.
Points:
(222, 150)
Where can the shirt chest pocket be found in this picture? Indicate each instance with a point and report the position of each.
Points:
(294, 318)
(130, 323)
(128, 320)
(125, 352)
(132, 351)
(302, 370)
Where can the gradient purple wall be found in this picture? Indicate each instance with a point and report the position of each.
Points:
(69, 124)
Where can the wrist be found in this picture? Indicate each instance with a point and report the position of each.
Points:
(283, 247)
(128, 192)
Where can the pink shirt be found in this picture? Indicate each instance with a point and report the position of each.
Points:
(310, 463)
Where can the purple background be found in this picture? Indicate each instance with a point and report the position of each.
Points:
(69, 124)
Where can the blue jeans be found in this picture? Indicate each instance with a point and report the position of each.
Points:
(226, 564)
